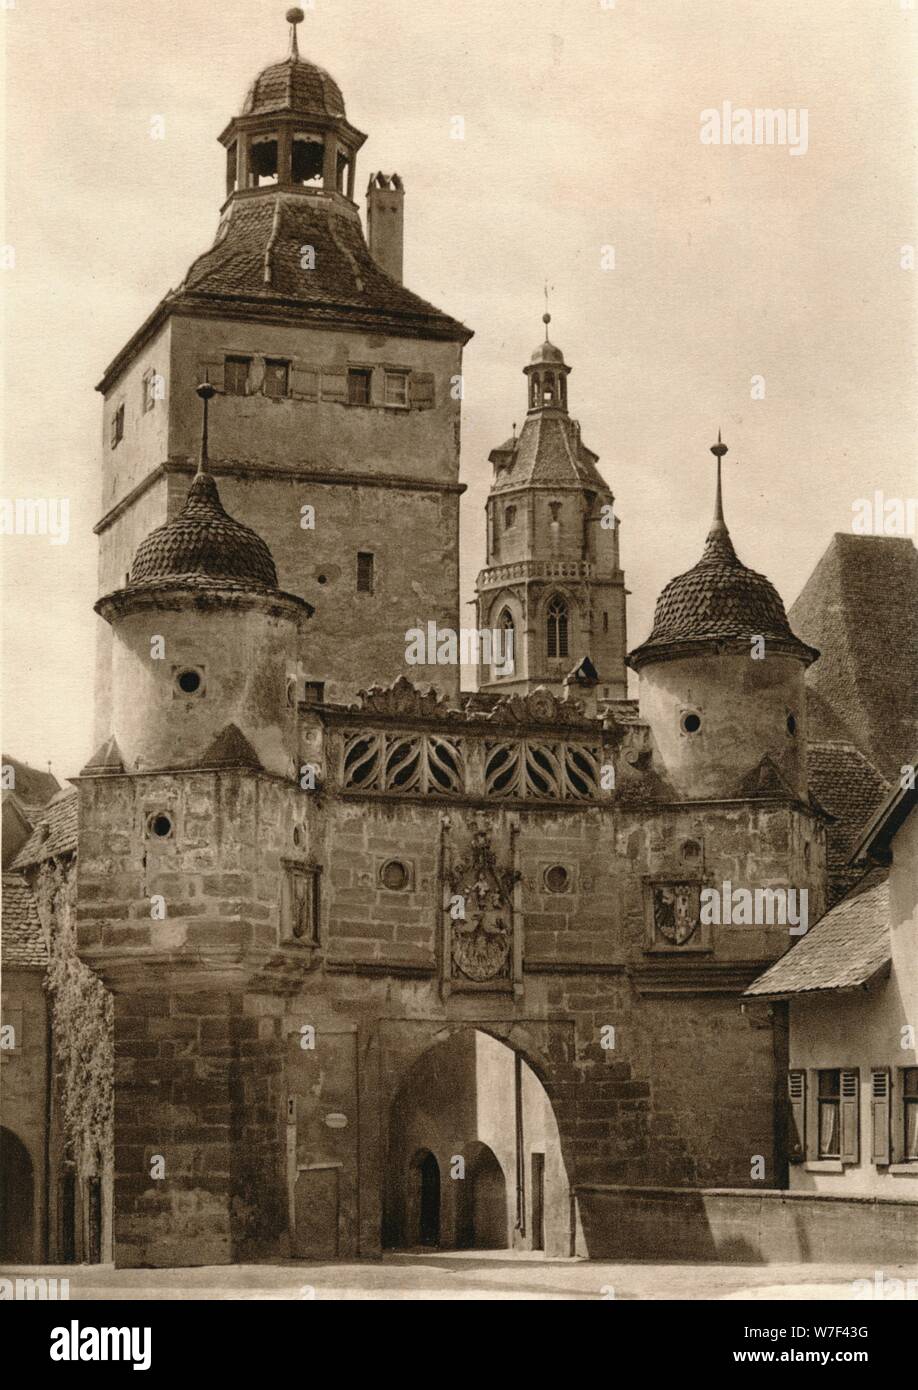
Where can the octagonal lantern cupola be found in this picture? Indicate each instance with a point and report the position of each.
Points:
(293, 132)
(547, 372)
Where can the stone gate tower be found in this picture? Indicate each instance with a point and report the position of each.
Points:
(552, 577)
(337, 435)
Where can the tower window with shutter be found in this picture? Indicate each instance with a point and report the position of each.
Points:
(396, 388)
(910, 1114)
(358, 386)
(236, 375)
(118, 426)
(277, 379)
(364, 572)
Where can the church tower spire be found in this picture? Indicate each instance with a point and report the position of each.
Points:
(552, 578)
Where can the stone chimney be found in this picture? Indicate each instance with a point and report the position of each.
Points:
(386, 222)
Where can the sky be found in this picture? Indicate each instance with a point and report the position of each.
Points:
(582, 124)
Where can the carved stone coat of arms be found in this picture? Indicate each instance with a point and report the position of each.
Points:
(480, 909)
(676, 911)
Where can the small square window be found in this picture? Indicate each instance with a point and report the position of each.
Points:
(236, 376)
(277, 378)
(358, 386)
(118, 426)
(364, 573)
(396, 388)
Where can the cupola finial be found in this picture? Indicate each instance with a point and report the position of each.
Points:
(294, 17)
(206, 392)
(718, 450)
(546, 317)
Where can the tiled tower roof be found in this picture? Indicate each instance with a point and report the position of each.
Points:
(719, 599)
(257, 259)
(548, 450)
(202, 544)
(295, 85)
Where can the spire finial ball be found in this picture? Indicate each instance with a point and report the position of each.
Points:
(206, 390)
(546, 318)
(295, 16)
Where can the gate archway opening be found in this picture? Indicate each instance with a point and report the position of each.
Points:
(471, 1109)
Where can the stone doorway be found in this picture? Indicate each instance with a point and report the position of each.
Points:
(17, 1201)
(426, 1204)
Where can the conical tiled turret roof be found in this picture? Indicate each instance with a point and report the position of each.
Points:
(203, 544)
(717, 600)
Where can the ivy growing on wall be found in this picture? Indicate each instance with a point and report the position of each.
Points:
(82, 1012)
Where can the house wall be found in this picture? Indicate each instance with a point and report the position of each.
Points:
(866, 1029)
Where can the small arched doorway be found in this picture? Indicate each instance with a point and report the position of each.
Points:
(426, 1192)
(481, 1221)
(17, 1198)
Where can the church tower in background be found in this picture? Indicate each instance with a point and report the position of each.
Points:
(553, 578)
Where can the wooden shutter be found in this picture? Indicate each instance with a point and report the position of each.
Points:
(880, 1115)
(850, 1108)
(334, 384)
(796, 1136)
(421, 387)
(304, 383)
(211, 370)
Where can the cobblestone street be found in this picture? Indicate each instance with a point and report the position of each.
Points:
(477, 1275)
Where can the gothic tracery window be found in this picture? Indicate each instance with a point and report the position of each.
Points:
(557, 627)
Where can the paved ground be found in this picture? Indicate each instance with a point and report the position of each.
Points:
(475, 1275)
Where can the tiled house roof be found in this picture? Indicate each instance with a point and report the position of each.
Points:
(850, 788)
(23, 942)
(847, 948)
(860, 608)
(31, 787)
(56, 831)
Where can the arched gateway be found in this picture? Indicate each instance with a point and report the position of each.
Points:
(474, 1152)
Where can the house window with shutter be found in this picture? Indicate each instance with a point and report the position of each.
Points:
(364, 572)
(829, 1114)
(796, 1138)
(118, 426)
(879, 1115)
(910, 1114)
(358, 386)
(236, 375)
(277, 379)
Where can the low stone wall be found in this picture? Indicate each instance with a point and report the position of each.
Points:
(739, 1227)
